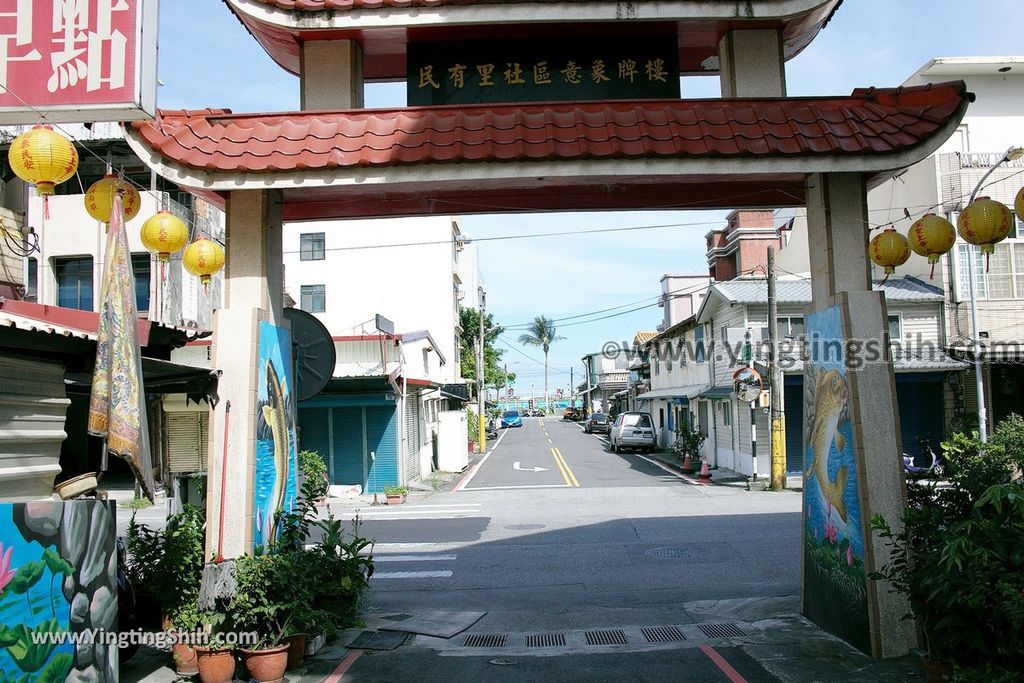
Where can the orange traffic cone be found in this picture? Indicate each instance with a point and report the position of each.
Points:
(704, 472)
(687, 464)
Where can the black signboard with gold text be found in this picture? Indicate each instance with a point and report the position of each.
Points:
(543, 71)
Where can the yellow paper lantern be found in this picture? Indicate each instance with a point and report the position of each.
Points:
(203, 258)
(1018, 204)
(889, 249)
(931, 236)
(43, 158)
(164, 234)
(99, 198)
(985, 222)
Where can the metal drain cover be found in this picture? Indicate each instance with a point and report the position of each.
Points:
(662, 634)
(609, 637)
(525, 527)
(721, 630)
(546, 640)
(693, 552)
(486, 640)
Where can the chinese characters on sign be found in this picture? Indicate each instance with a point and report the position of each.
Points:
(65, 55)
(447, 73)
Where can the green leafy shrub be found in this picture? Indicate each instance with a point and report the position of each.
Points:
(959, 556)
(472, 425)
(688, 442)
(314, 470)
(395, 490)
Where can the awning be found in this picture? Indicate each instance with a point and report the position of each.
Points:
(674, 392)
(902, 362)
(620, 394)
(717, 392)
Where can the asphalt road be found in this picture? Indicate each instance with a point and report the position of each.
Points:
(554, 533)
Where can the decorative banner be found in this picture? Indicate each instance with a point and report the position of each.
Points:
(77, 60)
(276, 457)
(57, 558)
(533, 71)
(835, 582)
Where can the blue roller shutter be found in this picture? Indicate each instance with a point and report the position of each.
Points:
(314, 431)
(382, 438)
(793, 399)
(921, 414)
(348, 446)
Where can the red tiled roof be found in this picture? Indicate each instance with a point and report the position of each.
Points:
(868, 122)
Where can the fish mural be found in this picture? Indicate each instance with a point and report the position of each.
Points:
(275, 433)
(835, 581)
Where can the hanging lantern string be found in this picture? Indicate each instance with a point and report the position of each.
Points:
(193, 226)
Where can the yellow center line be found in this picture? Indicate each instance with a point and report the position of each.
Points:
(565, 475)
(571, 480)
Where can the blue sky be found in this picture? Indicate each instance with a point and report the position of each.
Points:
(208, 60)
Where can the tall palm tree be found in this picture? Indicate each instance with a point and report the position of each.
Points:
(541, 332)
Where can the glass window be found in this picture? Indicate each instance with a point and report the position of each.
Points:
(997, 278)
(895, 329)
(726, 413)
(74, 282)
(1018, 261)
(32, 280)
(141, 267)
(313, 299)
(698, 350)
(311, 246)
(1000, 275)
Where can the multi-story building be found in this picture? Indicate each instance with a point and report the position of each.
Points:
(376, 422)
(681, 296)
(607, 374)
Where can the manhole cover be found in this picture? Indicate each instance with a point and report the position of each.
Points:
(678, 553)
(525, 527)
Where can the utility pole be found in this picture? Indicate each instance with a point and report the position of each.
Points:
(482, 414)
(572, 388)
(753, 407)
(778, 433)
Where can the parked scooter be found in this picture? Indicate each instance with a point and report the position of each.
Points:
(491, 429)
(935, 464)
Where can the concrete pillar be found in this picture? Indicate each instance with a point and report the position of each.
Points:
(331, 74)
(751, 64)
(838, 237)
(253, 292)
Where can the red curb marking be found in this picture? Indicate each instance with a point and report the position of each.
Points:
(345, 665)
(720, 662)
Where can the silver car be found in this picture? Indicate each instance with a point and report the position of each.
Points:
(633, 430)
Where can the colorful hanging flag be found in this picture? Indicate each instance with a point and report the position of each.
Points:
(117, 408)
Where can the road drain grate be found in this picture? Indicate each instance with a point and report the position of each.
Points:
(485, 640)
(610, 637)
(545, 640)
(721, 630)
(662, 634)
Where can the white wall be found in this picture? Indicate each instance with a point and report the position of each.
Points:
(413, 286)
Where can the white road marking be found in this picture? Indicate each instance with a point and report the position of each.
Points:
(506, 488)
(408, 547)
(402, 513)
(670, 471)
(443, 574)
(413, 558)
(517, 466)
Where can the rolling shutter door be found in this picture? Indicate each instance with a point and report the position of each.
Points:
(381, 437)
(793, 398)
(921, 414)
(187, 441)
(412, 436)
(315, 433)
(348, 452)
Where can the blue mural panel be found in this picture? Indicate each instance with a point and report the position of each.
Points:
(276, 451)
(835, 584)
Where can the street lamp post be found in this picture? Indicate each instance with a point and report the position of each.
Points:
(979, 383)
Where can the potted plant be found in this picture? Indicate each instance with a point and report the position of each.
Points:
(395, 494)
(265, 598)
(215, 661)
(957, 559)
(687, 447)
(185, 620)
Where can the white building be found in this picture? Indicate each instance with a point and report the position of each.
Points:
(376, 422)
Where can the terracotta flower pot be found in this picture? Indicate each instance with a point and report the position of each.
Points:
(396, 499)
(266, 666)
(185, 660)
(296, 650)
(215, 666)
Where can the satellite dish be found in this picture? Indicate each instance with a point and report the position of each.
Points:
(312, 352)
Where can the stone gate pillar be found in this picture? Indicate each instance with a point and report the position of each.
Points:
(253, 292)
(863, 458)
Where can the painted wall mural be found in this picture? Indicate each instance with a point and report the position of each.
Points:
(835, 584)
(58, 576)
(276, 451)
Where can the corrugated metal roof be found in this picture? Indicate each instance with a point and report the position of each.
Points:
(674, 392)
(32, 325)
(798, 291)
(902, 362)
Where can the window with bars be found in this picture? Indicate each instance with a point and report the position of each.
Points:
(311, 246)
(1002, 277)
(313, 299)
(791, 327)
(141, 269)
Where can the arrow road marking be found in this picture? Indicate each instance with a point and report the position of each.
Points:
(517, 466)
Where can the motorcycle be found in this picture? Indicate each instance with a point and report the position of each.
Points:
(491, 429)
(935, 466)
